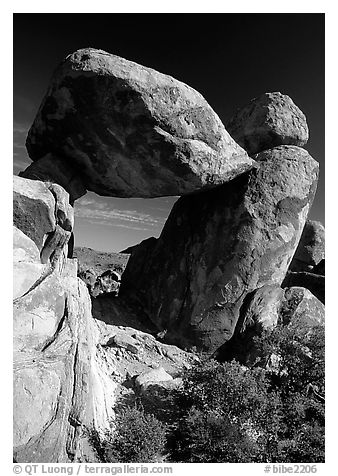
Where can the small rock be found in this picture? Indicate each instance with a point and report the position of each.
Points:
(125, 341)
(268, 121)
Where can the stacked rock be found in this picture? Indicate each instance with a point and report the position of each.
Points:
(219, 246)
(212, 279)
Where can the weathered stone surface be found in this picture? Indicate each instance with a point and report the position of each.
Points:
(303, 307)
(153, 376)
(269, 120)
(27, 267)
(42, 212)
(52, 168)
(220, 245)
(313, 282)
(33, 209)
(24, 249)
(125, 341)
(62, 386)
(311, 248)
(267, 308)
(131, 131)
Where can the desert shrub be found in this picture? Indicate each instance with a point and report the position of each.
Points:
(298, 354)
(231, 413)
(226, 412)
(136, 437)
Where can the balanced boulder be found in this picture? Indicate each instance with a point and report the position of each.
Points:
(130, 131)
(269, 120)
(218, 246)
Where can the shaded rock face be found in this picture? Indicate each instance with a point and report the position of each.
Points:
(265, 309)
(268, 121)
(42, 212)
(52, 168)
(311, 248)
(319, 268)
(130, 131)
(311, 281)
(220, 245)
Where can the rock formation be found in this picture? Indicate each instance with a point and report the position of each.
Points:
(130, 131)
(311, 281)
(311, 248)
(59, 385)
(216, 277)
(265, 309)
(218, 246)
(268, 121)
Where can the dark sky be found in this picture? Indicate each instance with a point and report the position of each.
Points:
(229, 58)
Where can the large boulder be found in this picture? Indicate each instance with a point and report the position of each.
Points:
(267, 308)
(130, 131)
(42, 212)
(269, 120)
(220, 245)
(311, 281)
(311, 248)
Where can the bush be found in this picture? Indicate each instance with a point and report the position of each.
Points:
(135, 438)
(231, 413)
(225, 412)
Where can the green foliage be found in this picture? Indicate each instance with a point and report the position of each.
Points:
(136, 437)
(226, 412)
(275, 413)
(296, 356)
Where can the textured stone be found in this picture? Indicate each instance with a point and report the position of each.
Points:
(33, 209)
(125, 341)
(41, 210)
(303, 308)
(52, 168)
(152, 377)
(269, 120)
(27, 267)
(313, 282)
(131, 131)
(265, 309)
(311, 248)
(62, 386)
(24, 249)
(220, 245)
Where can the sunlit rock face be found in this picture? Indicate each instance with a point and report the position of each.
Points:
(265, 309)
(269, 120)
(130, 131)
(311, 248)
(218, 246)
(60, 384)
